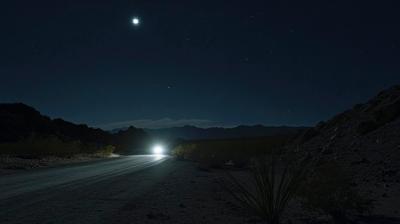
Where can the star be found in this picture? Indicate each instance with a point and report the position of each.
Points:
(136, 21)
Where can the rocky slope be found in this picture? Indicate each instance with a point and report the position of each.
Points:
(365, 140)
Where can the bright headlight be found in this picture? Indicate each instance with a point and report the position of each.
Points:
(158, 150)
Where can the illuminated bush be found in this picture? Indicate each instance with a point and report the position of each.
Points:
(105, 151)
(184, 151)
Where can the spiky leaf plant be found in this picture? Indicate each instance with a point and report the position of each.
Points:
(273, 184)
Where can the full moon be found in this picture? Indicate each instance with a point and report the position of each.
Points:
(136, 21)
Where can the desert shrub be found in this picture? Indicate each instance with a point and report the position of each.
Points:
(217, 152)
(273, 185)
(182, 151)
(179, 152)
(331, 190)
(105, 151)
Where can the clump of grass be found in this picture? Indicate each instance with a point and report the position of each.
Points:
(274, 184)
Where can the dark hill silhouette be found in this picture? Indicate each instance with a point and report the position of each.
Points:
(19, 121)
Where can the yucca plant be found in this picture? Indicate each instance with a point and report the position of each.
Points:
(273, 185)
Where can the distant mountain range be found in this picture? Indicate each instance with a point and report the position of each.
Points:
(195, 133)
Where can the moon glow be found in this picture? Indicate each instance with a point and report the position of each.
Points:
(136, 21)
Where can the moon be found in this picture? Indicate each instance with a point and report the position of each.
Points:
(135, 21)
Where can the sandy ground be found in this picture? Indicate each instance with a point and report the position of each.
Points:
(187, 196)
(191, 195)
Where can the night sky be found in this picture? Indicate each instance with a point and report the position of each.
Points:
(209, 62)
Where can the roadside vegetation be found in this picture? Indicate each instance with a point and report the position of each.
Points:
(321, 188)
(238, 152)
(37, 146)
(271, 178)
